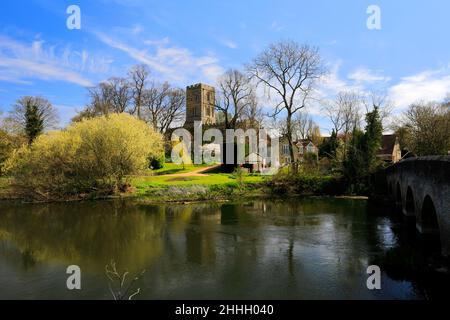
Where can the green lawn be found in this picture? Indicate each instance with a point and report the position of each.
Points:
(210, 179)
(164, 179)
(171, 168)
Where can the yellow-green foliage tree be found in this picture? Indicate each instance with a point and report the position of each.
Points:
(8, 143)
(90, 158)
(5, 148)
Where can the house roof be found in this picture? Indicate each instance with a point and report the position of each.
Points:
(304, 142)
(387, 144)
(254, 158)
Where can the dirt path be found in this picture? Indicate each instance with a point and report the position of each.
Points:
(196, 173)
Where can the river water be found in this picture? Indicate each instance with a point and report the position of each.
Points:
(263, 249)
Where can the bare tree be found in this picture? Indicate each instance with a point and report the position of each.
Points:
(111, 96)
(289, 70)
(253, 113)
(428, 129)
(154, 100)
(46, 113)
(304, 125)
(382, 102)
(235, 94)
(345, 115)
(138, 79)
(345, 112)
(174, 109)
(121, 94)
(163, 105)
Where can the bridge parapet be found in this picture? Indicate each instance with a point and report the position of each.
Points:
(421, 186)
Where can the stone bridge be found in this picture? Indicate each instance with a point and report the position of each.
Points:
(421, 188)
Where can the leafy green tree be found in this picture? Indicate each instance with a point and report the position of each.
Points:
(34, 123)
(6, 146)
(362, 153)
(329, 146)
(355, 169)
(372, 137)
(31, 116)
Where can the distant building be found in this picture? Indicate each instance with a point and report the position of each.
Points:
(200, 105)
(390, 150)
(301, 149)
(255, 162)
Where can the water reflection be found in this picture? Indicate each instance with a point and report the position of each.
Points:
(310, 248)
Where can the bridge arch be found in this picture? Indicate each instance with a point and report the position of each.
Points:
(421, 187)
(410, 205)
(429, 223)
(398, 195)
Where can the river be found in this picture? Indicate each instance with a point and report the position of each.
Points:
(312, 248)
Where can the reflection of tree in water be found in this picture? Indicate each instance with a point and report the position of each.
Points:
(89, 234)
(201, 236)
(235, 246)
(28, 260)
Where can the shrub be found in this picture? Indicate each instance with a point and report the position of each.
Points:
(92, 157)
(306, 184)
(157, 162)
(5, 148)
(8, 143)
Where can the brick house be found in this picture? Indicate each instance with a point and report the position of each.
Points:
(390, 150)
(301, 148)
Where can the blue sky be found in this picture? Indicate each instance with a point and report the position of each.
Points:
(186, 42)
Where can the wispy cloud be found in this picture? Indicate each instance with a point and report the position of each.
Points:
(22, 62)
(173, 63)
(229, 43)
(429, 85)
(365, 75)
(275, 26)
(332, 83)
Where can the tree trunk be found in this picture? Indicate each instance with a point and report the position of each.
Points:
(291, 142)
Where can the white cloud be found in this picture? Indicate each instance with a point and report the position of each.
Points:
(137, 29)
(43, 71)
(159, 42)
(364, 75)
(331, 84)
(429, 85)
(275, 26)
(229, 44)
(19, 62)
(173, 63)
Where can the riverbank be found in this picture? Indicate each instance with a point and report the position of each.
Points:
(197, 183)
(171, 184)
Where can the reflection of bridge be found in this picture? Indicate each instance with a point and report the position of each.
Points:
(421, 187)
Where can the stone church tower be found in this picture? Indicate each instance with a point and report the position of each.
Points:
(200, 105)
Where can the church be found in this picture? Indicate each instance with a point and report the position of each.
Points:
(200, 105)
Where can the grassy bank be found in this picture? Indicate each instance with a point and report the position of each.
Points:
(172, 168)
(182, 187)
(175, 183)
(5, 188)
